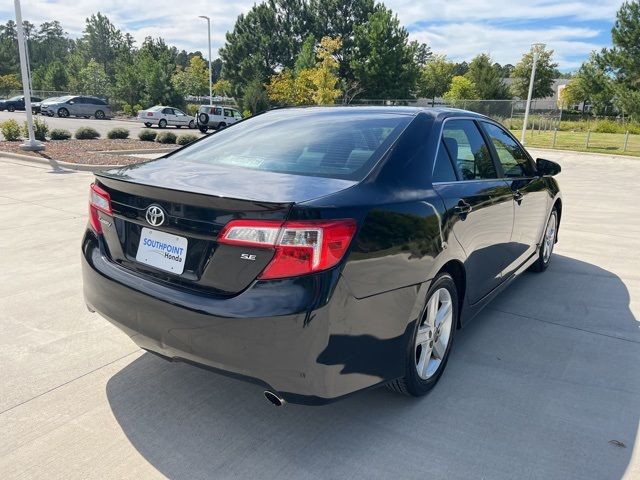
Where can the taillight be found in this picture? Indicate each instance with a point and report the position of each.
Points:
(149, 114)
(98, 200)
(301, 247)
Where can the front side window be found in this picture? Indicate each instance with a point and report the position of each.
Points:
(302, 141)
(168, 111)
(514, 161)
(467, 148)
(228, 113)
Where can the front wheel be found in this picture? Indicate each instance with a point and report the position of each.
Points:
(11, 108)
(222, 126)
(429, 346)
(162, 123)
(548, 242)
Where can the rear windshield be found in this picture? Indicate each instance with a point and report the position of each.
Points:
(314, 142)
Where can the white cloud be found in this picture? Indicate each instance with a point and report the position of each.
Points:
(460, 29)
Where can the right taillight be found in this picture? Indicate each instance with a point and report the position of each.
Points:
(301, 247)
(98, 200)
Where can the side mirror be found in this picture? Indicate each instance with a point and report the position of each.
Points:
(547, 167)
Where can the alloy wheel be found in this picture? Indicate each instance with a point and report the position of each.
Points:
(434, 333)
(549, 238)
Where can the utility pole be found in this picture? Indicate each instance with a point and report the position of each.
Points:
(31, 144)
(210, 75)
(535, 49)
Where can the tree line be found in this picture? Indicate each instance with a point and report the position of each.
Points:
(290, 52)
(611, 77)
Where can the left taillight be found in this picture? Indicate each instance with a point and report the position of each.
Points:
(301, 247)
(99, 200)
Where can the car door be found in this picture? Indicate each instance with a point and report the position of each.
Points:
(531, 200)
(167, 114)
(77, 106)
(479, 205)
(227, 116)
(181, 118)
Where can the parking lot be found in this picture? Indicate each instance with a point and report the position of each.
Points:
(102, 126)
(544, 384)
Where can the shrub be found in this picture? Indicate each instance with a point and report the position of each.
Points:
(192, 109)
(40, 129)
(60, 134)
(147, 135)
(135, 109)
(10, 130)
(185, 139)
(166, 137)
(87, 133)
(127, 109)
(118, 132)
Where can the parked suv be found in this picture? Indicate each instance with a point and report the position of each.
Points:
(15, 103)
(216, 117)
(76, 105)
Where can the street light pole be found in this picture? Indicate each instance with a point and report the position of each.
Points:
(535, 48)
(30, 144)
(210, 76)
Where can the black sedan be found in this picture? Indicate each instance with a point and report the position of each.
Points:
(16, 103)
(320, 251)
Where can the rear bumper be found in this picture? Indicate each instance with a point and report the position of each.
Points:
(305, 338)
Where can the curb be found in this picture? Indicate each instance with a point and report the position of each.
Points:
(135, 152)
(56, 165)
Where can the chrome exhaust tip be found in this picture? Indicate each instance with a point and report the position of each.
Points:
(274, 399)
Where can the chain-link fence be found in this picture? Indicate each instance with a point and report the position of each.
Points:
(548, 126)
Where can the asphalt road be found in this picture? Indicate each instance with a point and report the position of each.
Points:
(544, 384)
(73, 123)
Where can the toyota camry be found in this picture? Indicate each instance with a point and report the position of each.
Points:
(320, 251)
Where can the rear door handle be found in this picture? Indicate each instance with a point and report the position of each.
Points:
(462, 208)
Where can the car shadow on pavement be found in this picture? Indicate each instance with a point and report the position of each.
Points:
(545, 383)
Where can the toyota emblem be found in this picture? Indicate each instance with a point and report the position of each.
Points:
(155, 215)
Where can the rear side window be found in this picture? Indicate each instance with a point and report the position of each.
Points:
(514, 161)
(468, 150)
(302, 141)
(443, 169)
(216, 111)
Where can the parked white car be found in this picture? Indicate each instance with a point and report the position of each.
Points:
(164, 116)
(216, 117)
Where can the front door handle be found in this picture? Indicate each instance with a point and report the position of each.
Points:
(462, 208)
(518, 196)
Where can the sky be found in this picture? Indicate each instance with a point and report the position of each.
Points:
(459, 29)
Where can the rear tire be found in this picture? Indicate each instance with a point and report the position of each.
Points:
(162, 123)
(178, 126)
(99, 115)
(63, 112)
(221, 126)
(11, 108)
(548, 241)
(192, 124)
(203, 128)
(147, 124)
(428, 350)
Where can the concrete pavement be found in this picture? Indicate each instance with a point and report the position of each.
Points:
(544, 384)
(102, 126)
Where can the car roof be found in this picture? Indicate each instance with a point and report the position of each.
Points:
(434, 112)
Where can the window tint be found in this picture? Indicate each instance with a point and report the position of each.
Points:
(467, 148)
(512, 157)
(167, 111)
(443, 169)
(237, 114)
(217, 111)
(303, 142)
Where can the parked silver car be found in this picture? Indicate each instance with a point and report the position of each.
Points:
(163, 116)
(78, 106)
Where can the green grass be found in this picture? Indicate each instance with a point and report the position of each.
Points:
(598, 142)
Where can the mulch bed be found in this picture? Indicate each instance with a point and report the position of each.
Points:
(84, 151)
